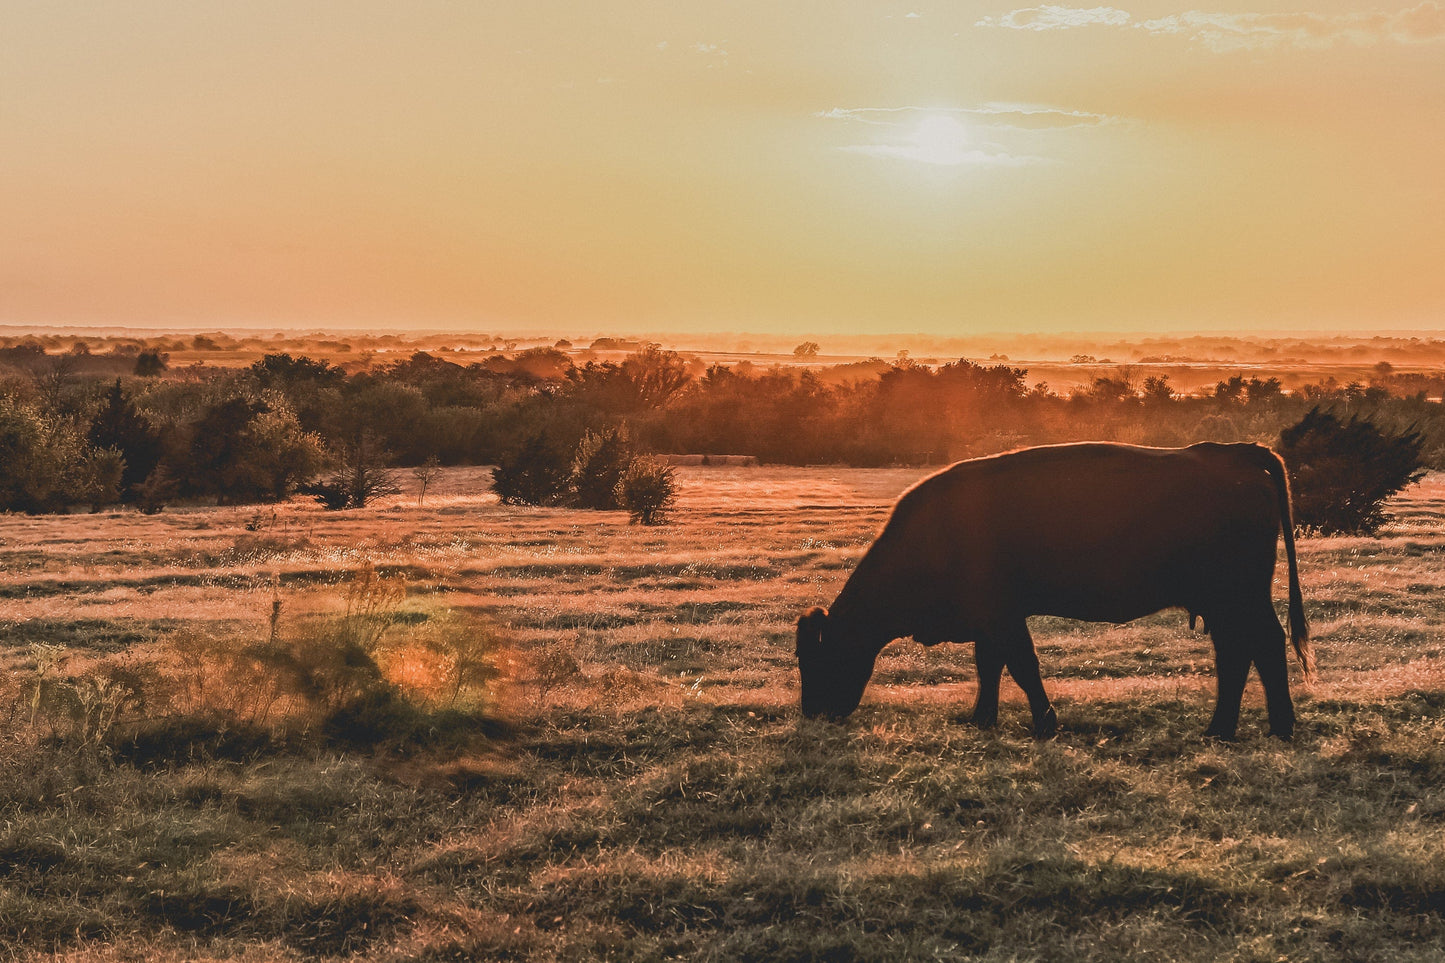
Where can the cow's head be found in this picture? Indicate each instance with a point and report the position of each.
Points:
(833, 667)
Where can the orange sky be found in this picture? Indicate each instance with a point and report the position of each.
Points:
(841, 166)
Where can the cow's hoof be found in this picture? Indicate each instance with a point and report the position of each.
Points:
(1219, 733)
(1282, 733)
(985, 721)
(1048, 726)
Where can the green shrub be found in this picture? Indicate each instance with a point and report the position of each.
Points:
(538, 473)
(648, 491)
(1342, 472)
(598, 466)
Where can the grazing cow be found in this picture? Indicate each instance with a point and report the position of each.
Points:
(1101, 532)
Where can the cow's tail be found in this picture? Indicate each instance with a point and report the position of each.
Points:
(1299, 630)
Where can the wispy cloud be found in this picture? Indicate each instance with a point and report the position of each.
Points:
(1050, 17)
(959, 135)
(1018, 116)
(1225, 32)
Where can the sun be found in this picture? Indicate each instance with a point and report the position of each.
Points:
(940, 139)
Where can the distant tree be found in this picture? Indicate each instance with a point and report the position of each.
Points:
(536, 473)
(151, 362)
(646, 380)
(118, 425)
(425, 474)
(808, 349)
(362, 475)
(1157, 390)
(241, 450)
(1342, 472)
(282, 371)
(46, 464)
(51, 375)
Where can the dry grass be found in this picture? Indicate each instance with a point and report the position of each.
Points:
(658, 796)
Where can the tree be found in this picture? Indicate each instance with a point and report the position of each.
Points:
(46, 464)
(806, 350)
(362, 475)
(601, 459)
(648, 490)
(1157, 390)
(537, 473)
(118, 425)
(425, 473)
(1342, 472)
(151, 362)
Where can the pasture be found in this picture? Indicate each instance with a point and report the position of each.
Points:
(648, 791)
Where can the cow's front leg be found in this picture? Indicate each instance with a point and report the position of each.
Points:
(988, 657)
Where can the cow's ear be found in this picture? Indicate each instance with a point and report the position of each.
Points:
(810, 627)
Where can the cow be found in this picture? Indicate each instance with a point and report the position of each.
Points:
(1096, 531)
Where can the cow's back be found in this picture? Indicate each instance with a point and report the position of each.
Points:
(1094, 531)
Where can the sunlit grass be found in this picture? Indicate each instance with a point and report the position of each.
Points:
(658, 796)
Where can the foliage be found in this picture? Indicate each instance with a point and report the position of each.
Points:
(243, 450)
(120, 426)
(599, 466)
(1342, 472)
(46, 464)
(537, 473)
(362, 475)
(151, 363)
(648, 490)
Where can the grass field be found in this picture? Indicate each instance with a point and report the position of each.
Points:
(645, 788)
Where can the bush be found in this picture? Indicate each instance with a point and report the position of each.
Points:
(1342, 472)
(538, 473)
(648, 491)
(597, 468)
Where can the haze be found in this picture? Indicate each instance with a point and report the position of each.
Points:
(851, 167)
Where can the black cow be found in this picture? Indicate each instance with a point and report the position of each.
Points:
(1101, 532)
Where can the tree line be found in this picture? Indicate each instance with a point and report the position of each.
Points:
(291, 423)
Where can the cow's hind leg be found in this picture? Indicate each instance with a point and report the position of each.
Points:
(1270, 660)
(1023, 664)
(1233, 652)
(1252, 635)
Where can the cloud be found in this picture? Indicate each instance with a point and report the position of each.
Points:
(961, 135)
(1050, 17)
(1227, 32)
(1016, 116)
(944, 158)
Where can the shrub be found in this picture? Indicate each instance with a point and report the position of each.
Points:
(601, 460)
(648, 491)
(361, 476)
(538, 473)
(1342, 472)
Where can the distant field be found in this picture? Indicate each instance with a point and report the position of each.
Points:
(658, 796)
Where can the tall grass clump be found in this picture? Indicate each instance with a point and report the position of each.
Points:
(377, 675)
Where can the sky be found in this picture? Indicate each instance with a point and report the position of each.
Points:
(702, 166)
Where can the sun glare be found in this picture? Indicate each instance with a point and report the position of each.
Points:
(940, 139)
